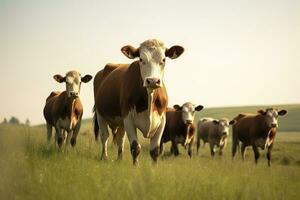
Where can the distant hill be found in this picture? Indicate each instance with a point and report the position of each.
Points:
(289, 122)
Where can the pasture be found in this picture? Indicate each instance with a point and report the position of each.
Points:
(32, 169)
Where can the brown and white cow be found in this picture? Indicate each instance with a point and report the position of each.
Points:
(133, 96)
(180, 128)
(213, 131)
(256, 130)
(63, 110)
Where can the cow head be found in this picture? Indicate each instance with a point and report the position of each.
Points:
(188, 111)
(223, 129)
(271, 116)
(73, 81)
(152, 58)
(188, 114)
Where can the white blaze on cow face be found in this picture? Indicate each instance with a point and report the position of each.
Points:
(152, 63)
(271, 116)
(73, 81)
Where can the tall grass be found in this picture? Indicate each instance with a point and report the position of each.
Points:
(30, 168)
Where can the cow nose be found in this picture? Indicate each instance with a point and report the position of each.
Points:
(153, 82)
(189, 121)
(273, 125)
(74, 94)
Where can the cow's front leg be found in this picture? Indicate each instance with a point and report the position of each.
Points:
(190, 148)
(120, 139)
(269, 154)
(135, 147)
(256, 152)
(75, 134)
(156, 139)
(212, 151)
(59, 135)
(243, 150)
(161, 148)
(174, 148)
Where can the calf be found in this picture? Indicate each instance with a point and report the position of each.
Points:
(63, 110)
(179, 127)
(133, 96)
(256, 130)
(215, 132)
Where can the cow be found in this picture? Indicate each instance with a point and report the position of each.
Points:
(180, 128)
(133, 96)
(63, 110)
(215, 132)
(256, 130)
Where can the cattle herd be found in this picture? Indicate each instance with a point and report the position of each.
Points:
(131, 97)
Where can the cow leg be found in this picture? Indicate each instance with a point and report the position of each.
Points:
(256, 152)
(221, 151)
(131, 132)
(243, 152)
(269, 154)
(156, 139)
(190, 148)
(212, 152)
(104, 135)
(235, 145)
(49, 132)
(75, 133)
(161, 148)
(59, 136)
(174, 149)
(198, 145)
(120, 139)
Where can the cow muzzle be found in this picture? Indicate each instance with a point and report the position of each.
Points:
(73, 94)
(189, 122)
(153, 83)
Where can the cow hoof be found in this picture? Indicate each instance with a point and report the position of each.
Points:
(154, 154)
(73, 142)
(135, 151)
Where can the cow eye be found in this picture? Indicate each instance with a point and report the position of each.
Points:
(141, 60)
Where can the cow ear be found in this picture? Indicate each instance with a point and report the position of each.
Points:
(177, 107)
(198, 108)
(216, 121)
(59, 78)
(232, 122)
(174, 51)
(86, 78)
(262, 112)
(282, 112)
(130, 51)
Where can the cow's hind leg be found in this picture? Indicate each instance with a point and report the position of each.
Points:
(104, 135)
(256, 153)
(243, 151)
(120, 139)
(49, 132)
(174, 148)
(161, 147)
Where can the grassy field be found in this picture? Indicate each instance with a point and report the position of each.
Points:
(32, 169)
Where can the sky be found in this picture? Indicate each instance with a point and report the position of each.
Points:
(237, 52)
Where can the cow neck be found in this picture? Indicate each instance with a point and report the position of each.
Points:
(265, 129)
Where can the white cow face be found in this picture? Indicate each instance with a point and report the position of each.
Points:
(73, 81)
(223, 129)
(271, 116)
(188, 112)
(152, 58)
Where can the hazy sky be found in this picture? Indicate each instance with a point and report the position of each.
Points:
(236, 52)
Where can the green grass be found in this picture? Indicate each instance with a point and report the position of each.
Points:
(32, 169)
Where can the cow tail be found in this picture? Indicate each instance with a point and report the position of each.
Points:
(96, 125)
